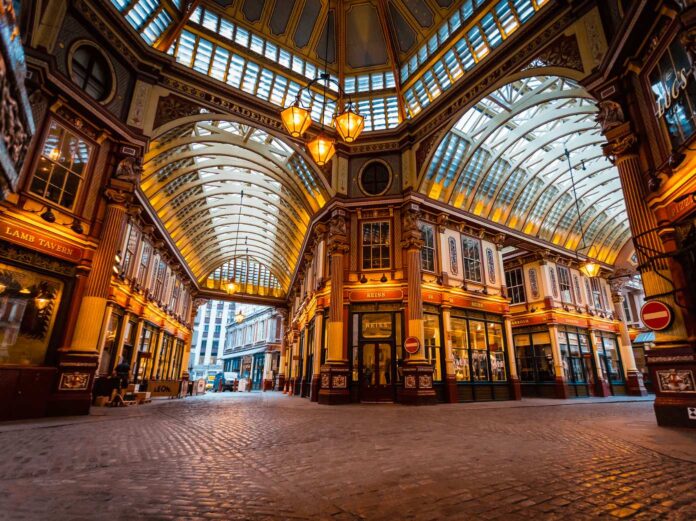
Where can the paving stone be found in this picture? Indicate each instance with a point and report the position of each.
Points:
(272, 457)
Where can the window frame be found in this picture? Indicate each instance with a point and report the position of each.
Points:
(363, 246)
(110, 90)
(561, 272)
(521, 286)
(466, 259)
(426, 225)
(87, 171)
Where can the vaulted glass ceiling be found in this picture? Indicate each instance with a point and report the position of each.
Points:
(396, 58)
(194, 176)
(504, 160)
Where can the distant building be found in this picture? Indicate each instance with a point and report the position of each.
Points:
(252, 349)
(209, 330)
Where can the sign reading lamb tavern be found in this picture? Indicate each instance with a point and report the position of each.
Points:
(38, 242)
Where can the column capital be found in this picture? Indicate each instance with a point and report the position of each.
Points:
(411, 238)
(621, 147)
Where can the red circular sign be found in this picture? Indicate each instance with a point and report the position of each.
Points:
(411, 345)
(656, 315)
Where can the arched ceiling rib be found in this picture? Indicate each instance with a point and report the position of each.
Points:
(194, 175)
(504, 160)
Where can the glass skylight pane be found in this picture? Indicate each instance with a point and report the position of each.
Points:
(219, 66)
(506, 17)
(226, 29)
(241, 37)
(490, 29)
(120, 4)
(210, 20)
(265, 81)
(377, 80)
(196, 16)
(256, 44)
(349, 84)
(278, 91)
(271, 51)
(140, 12)
(203, 55)
(184, 51)
(297, 64)
(364, 83)
(389, 82)
(236, 71)
(524, 8)
(156, 27)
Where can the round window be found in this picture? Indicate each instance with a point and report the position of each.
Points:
(91, 72)
(375, 178)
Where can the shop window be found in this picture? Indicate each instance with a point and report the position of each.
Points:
(428, 250)
(433, 347)
(674, 91)
(375, 178)
(471, 256)
(108, 360)
(460, 349)
(29, 303)
(496, 346)
(479, 353)
(62, 166)
(564, 284)
(534, 356)
(90, 70)
(575, 355)
(514, 281)
(608, 351)
(375, 245)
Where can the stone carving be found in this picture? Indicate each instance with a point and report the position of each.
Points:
(490, 264)
(339, 381)
(136, 114)
(676, 381)
(73, 381)
(129, 169)
(172, 107)
(563, 52)
(534, 283)
(338, 234)
(425, 381)
(324, 381)
(410, 381)
(411, 236)
(610, 115)
(424, 149)
(619, 147)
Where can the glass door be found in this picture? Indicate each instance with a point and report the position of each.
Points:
(377, 372)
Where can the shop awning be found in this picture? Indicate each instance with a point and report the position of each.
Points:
(645, 337)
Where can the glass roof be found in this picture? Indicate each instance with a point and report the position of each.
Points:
(504, 160)
(433, 47)
(194, 176)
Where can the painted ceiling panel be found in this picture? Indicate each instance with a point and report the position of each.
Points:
(324, 52)
(420, 11)
(366, 45)
(405, 34)
(308, 19)
(252, 9)
(282, 9)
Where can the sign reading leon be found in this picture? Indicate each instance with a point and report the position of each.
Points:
(656, 315)
(411, 345)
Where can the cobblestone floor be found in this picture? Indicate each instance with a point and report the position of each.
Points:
(274, 457)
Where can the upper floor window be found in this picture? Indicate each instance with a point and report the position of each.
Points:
(514, 280)
(90, 71)
(144, 262)
(159, 279)
(130, 249)
(674, 90)
(564, 284)
(62, 166)
(596, 294)
(375, 245)
(428, 251)
(375, 178)
(471, 257)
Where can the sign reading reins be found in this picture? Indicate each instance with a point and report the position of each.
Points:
(411, 345)
(656, 315)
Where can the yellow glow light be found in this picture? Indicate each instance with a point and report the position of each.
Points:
(296, 120)
(589, 268)
(322, 149)
(349, 125)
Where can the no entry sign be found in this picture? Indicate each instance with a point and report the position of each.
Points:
(411, 345)
(656, 315)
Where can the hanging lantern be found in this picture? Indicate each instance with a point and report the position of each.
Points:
(322, 149)
(231, 287)
(349, 125)
(589, 268)
(296, 119)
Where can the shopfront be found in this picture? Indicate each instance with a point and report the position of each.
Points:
(610, 365)
(535, 367)
(478, 350)
(36, 287)
(576, 360)
(376, 355)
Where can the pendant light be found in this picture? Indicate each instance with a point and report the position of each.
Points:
(589, 268)
(348, 122)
